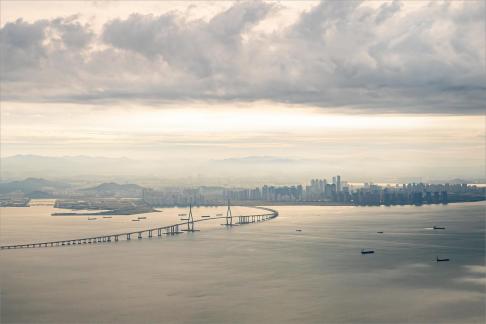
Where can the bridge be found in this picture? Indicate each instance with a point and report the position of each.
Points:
(187, 226)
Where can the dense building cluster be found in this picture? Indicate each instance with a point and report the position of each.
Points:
(320, 191)
(417, 194)
(317, 191)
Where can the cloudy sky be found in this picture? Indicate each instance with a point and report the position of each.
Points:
(372, 88)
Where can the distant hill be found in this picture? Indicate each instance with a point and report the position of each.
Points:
(460, 181)
(65, 166)
(112, 189)
(32, 185)
(256, 160)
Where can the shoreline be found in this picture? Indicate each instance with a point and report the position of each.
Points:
(108, 213)
(307, 203)
(245, 204)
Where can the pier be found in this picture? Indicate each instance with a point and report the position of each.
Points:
(175, 229)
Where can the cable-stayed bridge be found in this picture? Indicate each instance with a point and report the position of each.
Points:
(187, 226)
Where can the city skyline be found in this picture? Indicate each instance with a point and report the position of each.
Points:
(243, 161)
(316, 191)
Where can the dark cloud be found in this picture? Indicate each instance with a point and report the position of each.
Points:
(387, 10)
(199, 48)
(339, 53)
(21, 47)
(72, 34)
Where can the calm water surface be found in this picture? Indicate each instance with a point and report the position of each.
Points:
(258, 273)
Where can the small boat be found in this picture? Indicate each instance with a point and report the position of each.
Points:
(136, 220)
(91, 218)
(298, 230)
(442, 260)
(438, 228)
(380, 232)
(142, 217)
(367, 251)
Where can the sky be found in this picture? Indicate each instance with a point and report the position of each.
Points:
(374, 90)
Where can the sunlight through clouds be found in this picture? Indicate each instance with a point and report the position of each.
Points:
(396, 87)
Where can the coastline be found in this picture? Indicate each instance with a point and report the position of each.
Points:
(334, 204)
(109, 213)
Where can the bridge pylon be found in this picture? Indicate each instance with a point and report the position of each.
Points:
(190, 220)
(229, 216)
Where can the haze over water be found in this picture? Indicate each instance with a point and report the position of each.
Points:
(212, 99)
(257, 273)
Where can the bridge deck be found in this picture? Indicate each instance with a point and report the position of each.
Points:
(163, 230)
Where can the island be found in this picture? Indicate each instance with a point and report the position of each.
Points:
(105, 206)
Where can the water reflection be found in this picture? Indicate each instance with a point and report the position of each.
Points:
(260, 273)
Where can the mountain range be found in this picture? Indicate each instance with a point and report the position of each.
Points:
(32, 185)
